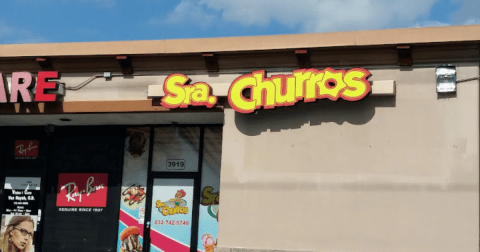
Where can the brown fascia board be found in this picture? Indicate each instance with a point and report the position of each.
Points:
(450, 34)
(84, 107)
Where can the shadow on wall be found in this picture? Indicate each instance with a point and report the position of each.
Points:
(314, 113)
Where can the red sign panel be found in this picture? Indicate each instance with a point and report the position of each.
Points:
(82, 190)
(26, 148)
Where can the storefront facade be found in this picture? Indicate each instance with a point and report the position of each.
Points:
(318, 142)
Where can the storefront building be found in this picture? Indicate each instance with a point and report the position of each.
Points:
(354, 141)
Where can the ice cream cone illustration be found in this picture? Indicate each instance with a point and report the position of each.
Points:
(130, 241)
(208, 242)
(208, 248)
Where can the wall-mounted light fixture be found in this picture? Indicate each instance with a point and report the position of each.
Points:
(446, 76)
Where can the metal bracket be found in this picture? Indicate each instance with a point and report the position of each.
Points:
(303, 58)
(211, 62)
(125, 64)
(45, 63)
(404, 55)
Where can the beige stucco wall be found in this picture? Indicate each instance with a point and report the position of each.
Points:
(383, 174)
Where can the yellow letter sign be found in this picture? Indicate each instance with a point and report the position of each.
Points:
(304, 84)
(278, 90)
(177, 94)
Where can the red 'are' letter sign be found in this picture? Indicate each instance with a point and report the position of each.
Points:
(42, 84)
(3, 89)
(22, 87)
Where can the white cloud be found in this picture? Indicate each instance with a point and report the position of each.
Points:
(12, 35)
(430, 24)
(188, 11)
(323, 15)
(472, 21)
(469, 12)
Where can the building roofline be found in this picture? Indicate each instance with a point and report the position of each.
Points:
(449, 34)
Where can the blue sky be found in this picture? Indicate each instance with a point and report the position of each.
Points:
(45, 21)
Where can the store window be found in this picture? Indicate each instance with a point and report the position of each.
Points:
(83, 184)
(22, 186)
(210, 189)
(170, 189)
(134, 189)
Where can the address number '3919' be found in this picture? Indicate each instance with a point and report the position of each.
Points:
(175, 164)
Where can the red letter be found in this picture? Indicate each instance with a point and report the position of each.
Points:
(42, 84)
(23, 88)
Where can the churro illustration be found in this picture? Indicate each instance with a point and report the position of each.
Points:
(134, 195)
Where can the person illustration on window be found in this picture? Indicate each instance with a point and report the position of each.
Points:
(19, 234)
(178, 197)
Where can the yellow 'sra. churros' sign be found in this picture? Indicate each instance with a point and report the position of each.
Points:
(278, 90)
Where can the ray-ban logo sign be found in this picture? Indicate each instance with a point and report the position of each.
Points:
(26, 148)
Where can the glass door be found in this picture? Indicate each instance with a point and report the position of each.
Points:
(173, 189)
(171, 215)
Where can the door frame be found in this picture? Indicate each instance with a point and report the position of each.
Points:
(197, 182)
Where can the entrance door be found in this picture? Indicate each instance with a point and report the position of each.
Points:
(171, 214)
(173, 192)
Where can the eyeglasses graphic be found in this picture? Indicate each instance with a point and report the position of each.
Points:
(24, 232)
